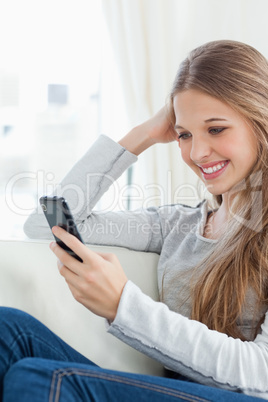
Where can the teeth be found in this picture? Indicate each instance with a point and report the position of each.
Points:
(214, 168)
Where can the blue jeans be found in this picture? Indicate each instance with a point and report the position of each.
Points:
(36, 365)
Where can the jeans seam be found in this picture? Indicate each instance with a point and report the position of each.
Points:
(30, 335)
(58, 376)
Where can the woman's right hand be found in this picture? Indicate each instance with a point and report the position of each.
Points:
(157, 129)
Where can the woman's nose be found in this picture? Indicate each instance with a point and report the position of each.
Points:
(201, 149)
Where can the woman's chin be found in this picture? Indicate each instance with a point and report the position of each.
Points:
(215, 190)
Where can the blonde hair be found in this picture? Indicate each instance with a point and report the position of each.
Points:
(236, 74)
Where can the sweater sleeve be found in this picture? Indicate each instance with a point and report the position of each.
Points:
(83, 187)
(189, 347)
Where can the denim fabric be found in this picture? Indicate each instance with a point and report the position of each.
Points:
(36, 365)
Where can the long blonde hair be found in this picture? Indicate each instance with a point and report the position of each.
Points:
(236, 74)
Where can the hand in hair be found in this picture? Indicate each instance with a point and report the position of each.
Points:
(157, 129)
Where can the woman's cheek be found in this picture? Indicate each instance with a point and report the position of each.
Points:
(185, 154)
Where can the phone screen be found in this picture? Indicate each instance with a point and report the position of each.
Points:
(57, 213)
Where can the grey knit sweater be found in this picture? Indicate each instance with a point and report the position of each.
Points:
(162, 330)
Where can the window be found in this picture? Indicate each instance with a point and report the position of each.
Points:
(59, 89)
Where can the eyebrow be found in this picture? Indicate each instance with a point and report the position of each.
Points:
(206, 121)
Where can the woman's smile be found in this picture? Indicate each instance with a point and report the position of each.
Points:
(212, 170)
(215, 140)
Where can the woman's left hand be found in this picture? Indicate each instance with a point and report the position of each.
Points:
(97, 282)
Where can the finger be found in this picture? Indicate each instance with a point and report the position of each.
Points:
(111, 257)
(76, 245)
(66, 259)
(71, 241)
(68, 275)
(62, 267)
(74, 282)
(59, 264)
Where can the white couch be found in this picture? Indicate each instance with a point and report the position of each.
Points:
(31, 282)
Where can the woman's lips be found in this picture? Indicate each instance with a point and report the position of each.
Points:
(210, 172)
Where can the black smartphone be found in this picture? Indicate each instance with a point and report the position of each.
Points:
(57, 213)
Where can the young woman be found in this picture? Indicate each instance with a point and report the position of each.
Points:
(209, 330)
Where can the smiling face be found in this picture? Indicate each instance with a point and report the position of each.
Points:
(216, 142)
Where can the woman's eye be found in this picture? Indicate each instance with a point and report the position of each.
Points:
(184, 136)
(216, 130)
